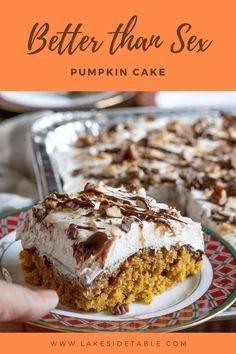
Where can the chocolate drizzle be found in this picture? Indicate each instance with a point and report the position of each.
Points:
(135, 213)
(164, 222)
(58, 201)
(72, 232)
(91, 188)
(97, 245)
(142, 203)
(132, 206)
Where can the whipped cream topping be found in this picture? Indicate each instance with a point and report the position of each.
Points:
(94, 231)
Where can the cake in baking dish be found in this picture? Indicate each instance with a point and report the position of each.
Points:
(104, 248)
(188, 163)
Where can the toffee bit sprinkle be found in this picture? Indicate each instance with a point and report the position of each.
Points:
(143, 142)
(115, 128)
(218, 195)
(229, 120)
(128, 221)
(72, 231)
(219, 215)
(113, 212)
(150, 118)
(231, 189)
(208, 182)
(90, 187)
(168, 179)
(57, 201)
(191, 178)
(120, 309)
(76, 172)
(85, 141)
(129, 152)
(104, 205)
(200, 127)
(39, 212)
(232, 159)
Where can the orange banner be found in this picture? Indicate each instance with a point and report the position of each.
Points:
(123, 45)
(118, 343)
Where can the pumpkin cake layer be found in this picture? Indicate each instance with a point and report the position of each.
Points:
(105, 247)
(138, 278)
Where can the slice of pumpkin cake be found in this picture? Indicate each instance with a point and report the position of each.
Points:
(104, 248)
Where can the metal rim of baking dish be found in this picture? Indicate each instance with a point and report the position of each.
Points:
(47, 176)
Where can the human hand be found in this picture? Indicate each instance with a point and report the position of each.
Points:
(20, 304)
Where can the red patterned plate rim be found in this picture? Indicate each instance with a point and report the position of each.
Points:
(8, 214)
(218, 297)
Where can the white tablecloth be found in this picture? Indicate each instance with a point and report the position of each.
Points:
(17, 182)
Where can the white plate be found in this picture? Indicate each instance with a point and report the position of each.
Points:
(180, 99)
(172, 300)
(21, 101)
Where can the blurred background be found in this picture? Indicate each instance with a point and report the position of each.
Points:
(19, 109)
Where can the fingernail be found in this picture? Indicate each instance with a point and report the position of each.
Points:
(50, 295)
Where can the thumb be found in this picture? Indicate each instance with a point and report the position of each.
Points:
(18, 303)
